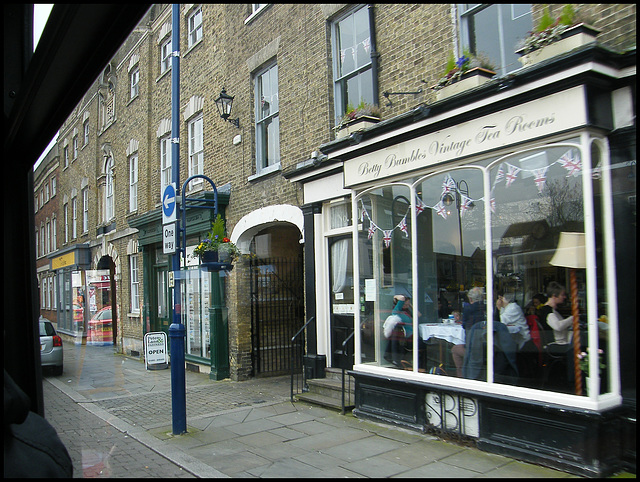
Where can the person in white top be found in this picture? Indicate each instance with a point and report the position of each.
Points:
(551, 319)
(512, 315)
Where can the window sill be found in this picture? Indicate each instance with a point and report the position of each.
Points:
(255, 15)
(265, 172)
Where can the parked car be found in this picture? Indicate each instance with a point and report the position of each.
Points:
(100, 330)
(51, 351)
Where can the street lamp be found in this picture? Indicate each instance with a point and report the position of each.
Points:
(224, 102)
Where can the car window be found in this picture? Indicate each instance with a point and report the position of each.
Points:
(105, 315)
(46, 329)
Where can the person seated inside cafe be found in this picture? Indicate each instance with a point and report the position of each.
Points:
(401, 335)
(472, 312)
(555, 326)
(512, 316)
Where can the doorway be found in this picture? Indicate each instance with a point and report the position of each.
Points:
(342, 302)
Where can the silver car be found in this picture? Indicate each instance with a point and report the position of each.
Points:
(50, 347)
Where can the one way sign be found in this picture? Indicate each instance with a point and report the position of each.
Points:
(169, 204)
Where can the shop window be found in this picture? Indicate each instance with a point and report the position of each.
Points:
(486, 236)
(353, 73)
(493, 30)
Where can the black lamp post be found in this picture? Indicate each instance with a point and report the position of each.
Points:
(224, 102)
(462, 188)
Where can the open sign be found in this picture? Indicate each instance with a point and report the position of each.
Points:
(155, 350)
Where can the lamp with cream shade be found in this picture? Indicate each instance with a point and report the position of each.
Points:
(571, 254)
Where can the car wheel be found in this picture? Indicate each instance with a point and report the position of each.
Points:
(57, 370)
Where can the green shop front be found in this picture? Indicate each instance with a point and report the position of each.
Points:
(203, 309)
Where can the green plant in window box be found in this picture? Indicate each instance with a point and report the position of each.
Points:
(468, 63)
(216, 241)
(363, 110)
(583, 361)
(550, 30)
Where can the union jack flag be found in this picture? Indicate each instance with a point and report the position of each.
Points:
(499, 175)
(448, 186)
(441, 209)
(540, 177)
(512, 175)
(492, 204)
(465, 205)
(420, 206)
(387, 237)
(403, 226)
(372, 230)
(571, 164)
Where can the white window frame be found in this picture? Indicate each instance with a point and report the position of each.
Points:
(135, 284)
(66, 156)
(165, 162)
(66, 222)
(48, 250)
(359, 72)
(165, 55)
(74, 217)
(54, 226)
(272, 161)
(85, 130)
(85, 210)
(134, 78)
(109, 190)
(196, 148)
(53, 186)
(75, 147)
(194, 27)
(133, 182)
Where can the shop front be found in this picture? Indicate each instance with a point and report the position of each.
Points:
(466, 207)
(203, 309)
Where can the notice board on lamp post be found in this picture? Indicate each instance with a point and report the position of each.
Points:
(156, 356)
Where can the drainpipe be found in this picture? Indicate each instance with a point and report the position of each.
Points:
(374, 54)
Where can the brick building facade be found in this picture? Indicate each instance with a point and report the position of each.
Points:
(279, 173)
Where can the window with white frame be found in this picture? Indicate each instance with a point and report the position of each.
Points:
(48, 236)
(42, 241)
(54, 291)
(165, 162)
(74, 214)
(134, 78)
(75, 146)
(267, 119)
(494, 30)
(352, 72)
(195, 26)
(109, 190)
(65, 154)
(135, 284)
(43, 293)
(196, 148)
(85, 130)
(165, 55)
(54, 235)
(85, 210)
(37, 243)
(46, 193)
(53, 186)
(133, 182)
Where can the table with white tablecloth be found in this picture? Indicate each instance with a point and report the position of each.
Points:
(453, 333)
(442, 333)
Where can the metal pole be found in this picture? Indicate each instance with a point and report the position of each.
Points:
(177, 330)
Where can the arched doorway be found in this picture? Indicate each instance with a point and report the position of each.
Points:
(102, 327)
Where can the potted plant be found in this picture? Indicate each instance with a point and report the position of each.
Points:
(465, 72)
(357, 118)
(216, 251)
(554, 37)
(583, 361)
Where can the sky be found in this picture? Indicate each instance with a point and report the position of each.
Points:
(40, 15)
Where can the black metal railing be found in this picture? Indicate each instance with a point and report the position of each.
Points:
(297, 368)
(346, 356)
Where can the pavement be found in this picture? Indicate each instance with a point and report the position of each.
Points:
(114, 417)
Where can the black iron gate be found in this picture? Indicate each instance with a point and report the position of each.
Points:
(277, 312)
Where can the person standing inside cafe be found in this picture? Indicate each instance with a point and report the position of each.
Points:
(472, 312)
(512, 316)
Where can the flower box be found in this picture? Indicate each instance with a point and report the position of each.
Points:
(572, 38)
(356, 125)
(470, 79)
(216, 261)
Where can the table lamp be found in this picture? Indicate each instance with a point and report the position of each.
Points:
(571, 254)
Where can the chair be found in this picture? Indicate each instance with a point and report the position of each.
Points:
(558, 373)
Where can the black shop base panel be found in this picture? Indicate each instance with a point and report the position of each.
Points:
(577, 441)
